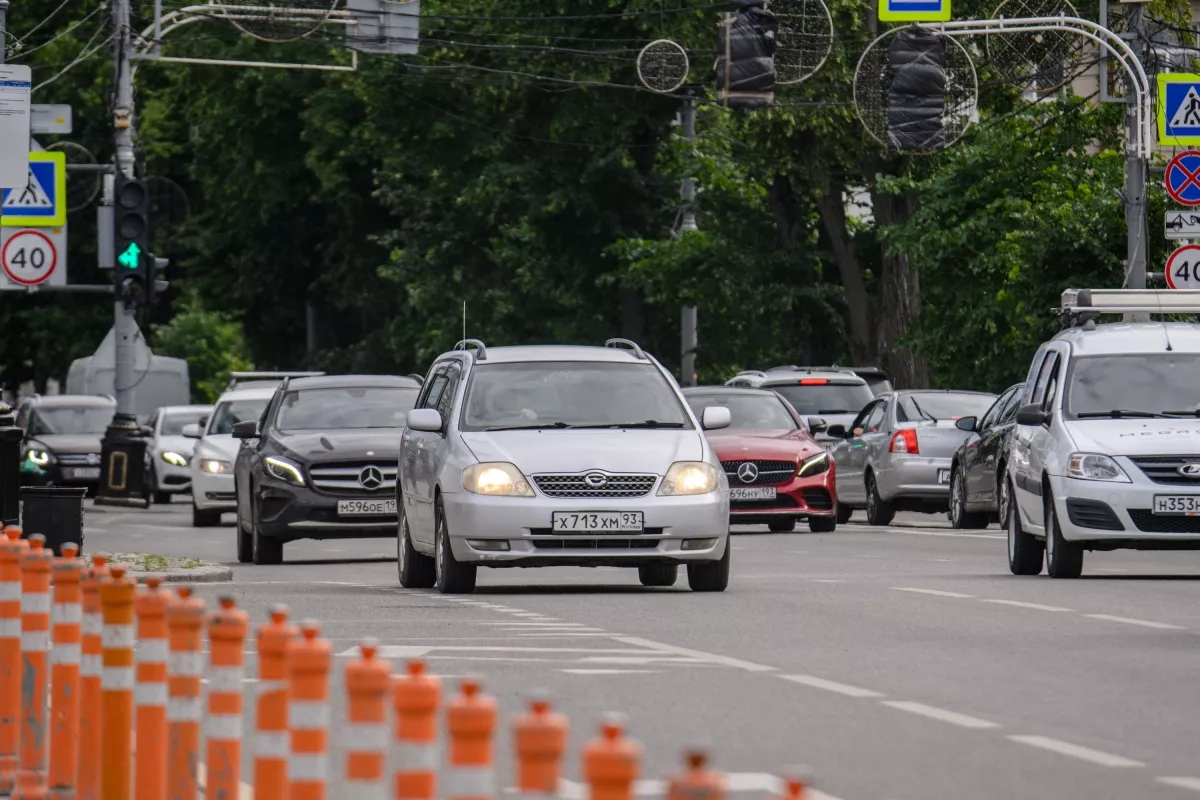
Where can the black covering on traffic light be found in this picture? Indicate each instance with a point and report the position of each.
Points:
(746, 56)
(131, 238)
(916, 99)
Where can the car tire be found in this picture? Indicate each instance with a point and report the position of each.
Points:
(658, 574)
(710, 576)
(416, 570)
(1003, 492)
(245, 542)
(782, 526)
(162, 498)
(1026, 552)
(879, 511)
(844, 513)
(1063, 559)
(267, 551)
(451, 576)
(205, 518)
(822, 524)
(960, 518)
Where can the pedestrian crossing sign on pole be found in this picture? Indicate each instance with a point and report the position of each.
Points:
(1178, 109)
(914, 10)
(43, 203)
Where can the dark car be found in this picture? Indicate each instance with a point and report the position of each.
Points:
(62, 439)
(978, 490)
(320, 463)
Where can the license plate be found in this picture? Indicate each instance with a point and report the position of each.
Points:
(752, 493)
(1177, 505)
(82, 473)
(366, 508)
(943, 476)
(596, 521)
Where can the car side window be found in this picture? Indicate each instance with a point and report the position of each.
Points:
(861, 420)
(1010, 408)
(1049, 363)
(152, 423)
(445, 403)
(1052, 383)
(431, 395)
(993, 414)
(23, 417)
(875, 421)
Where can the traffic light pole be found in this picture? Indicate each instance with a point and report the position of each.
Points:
(689, 335)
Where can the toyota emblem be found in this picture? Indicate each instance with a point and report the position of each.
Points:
(370, 478)
(747, 472)
(595, 480)
(1190, 470)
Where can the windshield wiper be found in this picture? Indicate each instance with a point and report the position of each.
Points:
(649, 423)
(1117, 413)
(922, 411)
(1193, 413)
(546, 426)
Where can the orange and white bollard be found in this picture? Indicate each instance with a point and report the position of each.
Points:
(35, 651)
(795, 785)
(11, 549)
(309, 660)
(185, 663)
(150, 693)
(90, 668)
(697, 782)
(271, 743)
(415, 700)
(65, 655)
(366, 735)
(540, 736)
(116, 686)
(611, 763)
(227, 627)
(471, 724)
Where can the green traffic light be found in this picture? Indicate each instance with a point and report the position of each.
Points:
(131, 257)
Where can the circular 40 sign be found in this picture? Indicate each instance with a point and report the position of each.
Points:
(29, 257)
(1183, 268)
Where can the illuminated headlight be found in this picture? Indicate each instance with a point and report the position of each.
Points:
(39, 458)
(499, 479)
(214, 466)
(284, 470)
(175, 459)
(689, 478)
(815, 465)
(1095, 467)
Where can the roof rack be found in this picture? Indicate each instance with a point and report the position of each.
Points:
(757, 372)
(480, 351)
(241, 377)
(628, 344)
(1081, 305)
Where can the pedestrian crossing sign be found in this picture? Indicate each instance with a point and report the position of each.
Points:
(1178, 109)
(42, 203)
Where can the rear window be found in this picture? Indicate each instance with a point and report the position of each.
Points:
(942, 405)
(825, 398)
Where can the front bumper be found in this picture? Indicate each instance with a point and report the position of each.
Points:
(1119, 515)
(915, 477)
(212, 492)
(290, 512)
(525, 523)
(170, 478)
(799, 498)
(55, 475)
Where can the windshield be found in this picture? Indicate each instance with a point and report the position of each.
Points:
(342, 408)
(1100, 384)
(570, 393)
(232, 412)
(173, 424)
(753, 412)
(826, 398)
(70, 420)
(942, 405)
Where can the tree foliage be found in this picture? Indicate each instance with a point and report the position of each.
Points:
(212, 344)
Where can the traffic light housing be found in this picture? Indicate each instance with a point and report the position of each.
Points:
(135, 267)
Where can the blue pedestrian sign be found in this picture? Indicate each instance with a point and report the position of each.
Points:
(42, 203)
(914, 10)
(1178, 109)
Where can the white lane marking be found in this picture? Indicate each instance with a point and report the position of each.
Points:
(534, 624)
(826, 580)
(1021, 604)
(643, 660)
(1162, 626)
(934, 592)
(940, 714)
(955, 535)
(830, 686)
(1076, 751)
(1182, 783)
(391, 651)
(563, 635)
(610, 671)
(713, 658)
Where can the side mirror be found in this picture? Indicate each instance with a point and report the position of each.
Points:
(245, 430)
(715, 418)
(424, 419)
(836, 432)
(1032, 414)
(817, 425)
(192, 431)
(967, 424)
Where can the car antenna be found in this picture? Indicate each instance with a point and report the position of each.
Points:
(1166, 331)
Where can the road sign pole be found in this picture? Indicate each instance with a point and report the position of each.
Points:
(3, 29)
(1137, 231)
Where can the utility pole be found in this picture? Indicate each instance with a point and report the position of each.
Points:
(3, 29)
(689, 335)
(1135, 172)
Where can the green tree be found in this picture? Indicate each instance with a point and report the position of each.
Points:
(210, 341)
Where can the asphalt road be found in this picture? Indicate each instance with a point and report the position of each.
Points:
(897, 663)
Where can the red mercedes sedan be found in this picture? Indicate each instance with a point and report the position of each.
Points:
(777, 472)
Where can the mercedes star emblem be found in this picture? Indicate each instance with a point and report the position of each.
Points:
(370, 478)
(595, 480)
(747, 472)
(1190, 470)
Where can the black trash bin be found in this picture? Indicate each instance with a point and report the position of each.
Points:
(55, 512)
(10, 467)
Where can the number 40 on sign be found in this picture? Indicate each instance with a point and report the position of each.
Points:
(1183, 268)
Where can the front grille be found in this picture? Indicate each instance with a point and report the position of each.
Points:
(817, 499)
(576, 485)
(1153, 523)
(594, 544)
(1093, 514)
(769, 472)
(78, 459)
(781, 501)
(344, 478)
(551, 532)
(1165, 469)
(176, 480)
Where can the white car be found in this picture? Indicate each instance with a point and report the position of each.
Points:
(171, 451)
(1106, 452)
(211, 467)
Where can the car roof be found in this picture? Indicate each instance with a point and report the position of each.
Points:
(748, 391)
(558, 352)
(1119, 338)
(242, 393)
(354, 381)
(53, 400)
(943, 391)
(184, 409)
(779, 377)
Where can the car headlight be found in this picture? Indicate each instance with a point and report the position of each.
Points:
(284, 470)
(215, 466)
(175, 459)
(1095, 467)
(815, 465)
(688, 478)
(498, 478)
(39, 458)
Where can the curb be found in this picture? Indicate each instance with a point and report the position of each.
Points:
(209, 573)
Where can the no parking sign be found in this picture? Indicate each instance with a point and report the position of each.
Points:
(1182, 178)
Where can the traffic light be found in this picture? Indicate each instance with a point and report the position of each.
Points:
(745, 65)
(916, 98)
(133, 274)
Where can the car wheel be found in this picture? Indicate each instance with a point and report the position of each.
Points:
(1002, 494)
(202, 518)
(658, 574)
(267, 551)
(822, 524)
(416, 570)
(879, 511)
(710, 576)
(162, 498)
(1063, 559)
(844, 513)
(960, 518)
(1025, 551)
(782, 526)
(451, 576)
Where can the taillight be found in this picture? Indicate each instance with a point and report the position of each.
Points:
(813, 381)
(904, 441)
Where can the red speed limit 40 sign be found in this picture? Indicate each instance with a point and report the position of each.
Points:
(1183, 268)
(32, 257)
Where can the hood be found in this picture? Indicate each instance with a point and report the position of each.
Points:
(175, 444)
(612, 451)
(733, 444)
(315, 447)
(1136, 437)
(218, 445)
(69, 442)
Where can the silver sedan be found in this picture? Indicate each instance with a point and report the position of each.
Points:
(896, 454)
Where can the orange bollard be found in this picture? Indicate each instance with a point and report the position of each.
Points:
(116, 686)
(35, 652)
(150, 692)
(541, 739)
(90, 668)
(65, 654)
(308, 712)
(365, 737)
(795, 785)
(227, 627)
(415, 699)
(185, 621)
(11, 549)
(611, 762)
(271, 744)
(471, 723)
(697, 782)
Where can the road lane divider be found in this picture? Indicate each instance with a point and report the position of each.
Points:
(1098, 757)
